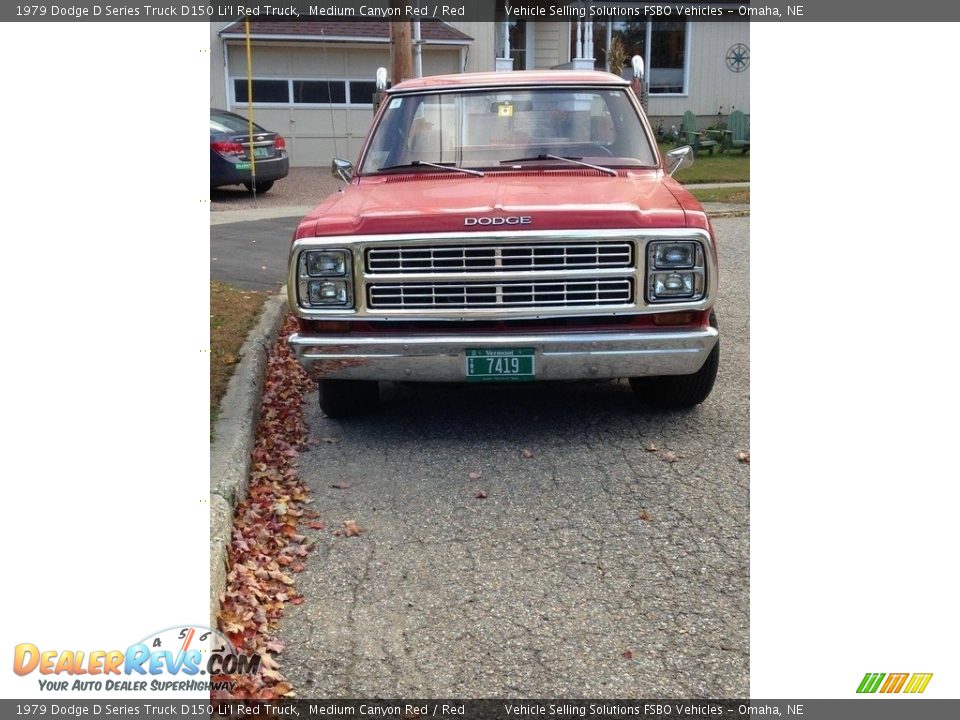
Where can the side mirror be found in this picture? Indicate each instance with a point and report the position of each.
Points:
(342, 169)
(679, 158)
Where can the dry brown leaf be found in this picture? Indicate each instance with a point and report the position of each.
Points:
(743, 456)
(265, 533)
(351, 529)
(481, 495)
(627, 654)
(475, 475)
(316, 525)
(275, 646)
(341, 486)
(644, 515)
(652, 448)
(527, 453)
(669, 456)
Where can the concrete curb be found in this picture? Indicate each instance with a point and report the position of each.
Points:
(234, 433)
(717, 210)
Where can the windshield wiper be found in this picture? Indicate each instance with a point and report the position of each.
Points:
(445, 166)
(572, 160)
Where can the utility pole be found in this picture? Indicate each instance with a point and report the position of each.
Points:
(400, 51)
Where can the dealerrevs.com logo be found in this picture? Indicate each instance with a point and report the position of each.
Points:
(179, 659)
(894, 683)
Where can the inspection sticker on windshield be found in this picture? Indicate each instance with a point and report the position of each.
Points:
(500, 364)
(505, 110)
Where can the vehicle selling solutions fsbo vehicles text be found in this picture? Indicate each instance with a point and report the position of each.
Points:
(612, 11)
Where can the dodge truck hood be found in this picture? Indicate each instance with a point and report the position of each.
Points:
(455, 202)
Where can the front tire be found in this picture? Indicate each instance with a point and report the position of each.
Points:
(346, 398)
(262, 187)
(680, 392)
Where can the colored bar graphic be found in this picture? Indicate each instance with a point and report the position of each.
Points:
(918, 682)
(870, 682)
(900, 684)
(915, 683)
(894, 682)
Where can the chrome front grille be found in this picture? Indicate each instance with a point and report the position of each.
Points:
(500, 274)
(477, 258)
(491, 295)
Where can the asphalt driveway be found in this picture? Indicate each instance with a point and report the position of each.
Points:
(252, 255)
(593, 568)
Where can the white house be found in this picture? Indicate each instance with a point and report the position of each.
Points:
(314, 81)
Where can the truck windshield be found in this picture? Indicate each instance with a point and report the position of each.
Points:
(509, 127)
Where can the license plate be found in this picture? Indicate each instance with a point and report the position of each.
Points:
(261, 152)
(500, 365)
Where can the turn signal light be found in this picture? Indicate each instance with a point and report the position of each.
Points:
(678, 318)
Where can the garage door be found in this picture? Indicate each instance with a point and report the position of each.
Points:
(319, 97)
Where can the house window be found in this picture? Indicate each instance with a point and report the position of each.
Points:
(362, 92)
(306, 92)
(516, 31)
(662, 45)
(668, 56)
(264, 91)
(320, 91)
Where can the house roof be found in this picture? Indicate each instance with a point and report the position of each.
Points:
(433, 31)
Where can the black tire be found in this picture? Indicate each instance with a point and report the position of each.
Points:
(679, 392)
(344, 398)
(262, 187)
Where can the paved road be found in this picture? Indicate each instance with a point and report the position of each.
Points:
(252, 255)
(590, 549)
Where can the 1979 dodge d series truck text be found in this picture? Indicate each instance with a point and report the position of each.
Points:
(505, 227)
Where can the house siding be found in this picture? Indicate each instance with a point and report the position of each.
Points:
(551, 45)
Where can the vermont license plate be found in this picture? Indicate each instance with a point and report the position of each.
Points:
(500, 365)
(261, 152)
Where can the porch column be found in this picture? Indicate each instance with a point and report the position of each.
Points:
(584, 47)
(504, 62)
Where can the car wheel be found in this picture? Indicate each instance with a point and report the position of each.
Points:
(262, 187)
(678, 392)
(343, 398)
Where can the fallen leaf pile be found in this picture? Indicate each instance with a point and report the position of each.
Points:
(267, 547)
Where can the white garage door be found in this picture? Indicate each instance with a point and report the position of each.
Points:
(318, 97)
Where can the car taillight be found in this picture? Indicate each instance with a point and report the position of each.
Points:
(227, 148)
(280, 143)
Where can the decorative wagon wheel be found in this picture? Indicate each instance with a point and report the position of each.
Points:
(738, 57)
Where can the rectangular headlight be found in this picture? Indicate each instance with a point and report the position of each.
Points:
(676, 271)
(326, 263)
(673, 255)
(328, 292)
(674, 285)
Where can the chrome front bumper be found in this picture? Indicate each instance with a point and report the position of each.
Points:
(568, 356)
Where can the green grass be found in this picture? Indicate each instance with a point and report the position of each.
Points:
(732, 166)
(722, 194)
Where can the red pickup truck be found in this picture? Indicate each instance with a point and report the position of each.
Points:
(507, 227)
